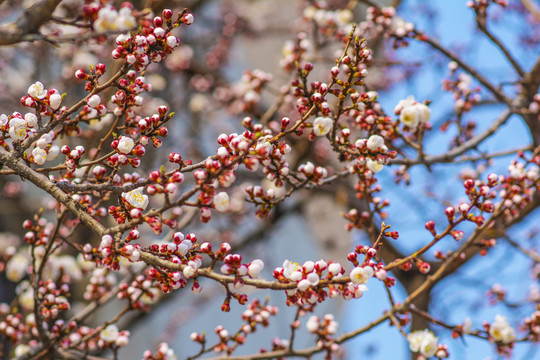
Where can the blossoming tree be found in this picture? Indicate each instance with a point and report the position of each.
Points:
(123, 209)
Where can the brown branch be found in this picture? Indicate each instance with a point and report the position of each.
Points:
(42, 182)
(497, 93)
(481, 22)
(530, 253)
(530, 84)
(498, 230)
(308, 352)
(29, 23)
(532, 8)
(452, 154)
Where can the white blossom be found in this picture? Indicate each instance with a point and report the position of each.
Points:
(424, 112)
(467, 326)
(172, 41)
(534, 173)
(125, 144)
(39, 155)
(31, 119)
(37, 90)
(360, 275)
(122, 340)
(334, 268)
(374, 165)
(374, 142)
(255, 268)
(109, 334)
(402, 104)
(412, 113)
(93, 101)
(21, 349)
(17, 128)
(111, 20)
(313, 278)
(308, 168)
(221, 201)
(322, 126)
(289, 268)
(26, 299)
(501, 331)
(16, 267)
(54, 101)
(410, 116)
(166, 352)
(303, 285)
(424, 342)
(136, 199)
(312, 324)
(4, 120)
(122, 39)
(53, 152)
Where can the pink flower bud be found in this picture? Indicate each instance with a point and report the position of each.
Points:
(80, 74)
(188, 19)
(158, 21)
(167, 14)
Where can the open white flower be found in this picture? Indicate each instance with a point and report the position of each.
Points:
(424, 342)
(410, 116)
(501, 331)
(136, 199)
(289, 268)
(424, 112)
(412, 113)
(221, 201)
(126, 19)
(111, 20)
(53, 152)
(39, 155)
(374, 165)
(16, 267)
(17, 128)
(402, 104)
(125, 144)
(31, 119)
(322, 126)
(375, 142)
(109, 334)
(26, 299)
(360, 275)
(21, 349)
(37, 90)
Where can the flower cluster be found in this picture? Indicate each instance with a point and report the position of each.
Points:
(425, 343)
(385, 20)
(325, 329)
(501, 331)
(111, 335)
(164, 352)
(153, 44)
(332, 23)
(412, 113)
(107, 19)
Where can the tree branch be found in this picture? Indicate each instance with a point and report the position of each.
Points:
(29, 23)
